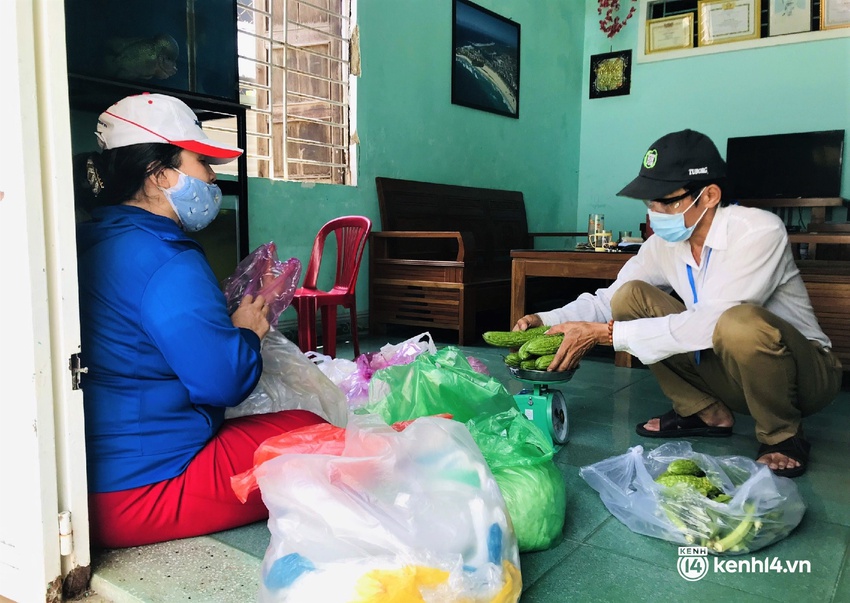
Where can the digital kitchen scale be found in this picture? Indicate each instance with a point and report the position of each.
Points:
(546, 408)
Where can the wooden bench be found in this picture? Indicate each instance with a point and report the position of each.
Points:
(822, 253)
(444, 254)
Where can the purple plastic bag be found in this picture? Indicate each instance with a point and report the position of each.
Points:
(356, 385)
(477, 365)
(262, 273)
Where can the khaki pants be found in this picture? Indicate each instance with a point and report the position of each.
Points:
(759, 365)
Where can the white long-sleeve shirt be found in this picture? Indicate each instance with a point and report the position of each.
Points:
(746, 258)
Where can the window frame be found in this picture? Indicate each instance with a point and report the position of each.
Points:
(280, 114)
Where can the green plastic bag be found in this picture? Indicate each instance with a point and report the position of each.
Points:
(433, 384)
(520, 458)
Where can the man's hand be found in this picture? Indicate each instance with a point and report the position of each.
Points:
(251, 314)
(579, 337)
(527, 322)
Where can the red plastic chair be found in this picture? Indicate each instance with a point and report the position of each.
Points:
(351, 235)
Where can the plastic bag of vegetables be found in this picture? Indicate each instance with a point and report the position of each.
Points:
(520, 457)
(729, 504)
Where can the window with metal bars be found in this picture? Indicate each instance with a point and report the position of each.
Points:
(294, 75)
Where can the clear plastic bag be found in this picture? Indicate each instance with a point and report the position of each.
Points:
(763, 508)
(393, 516)
(262, 273)
(290, 381)
(520, 457)
(432, 384)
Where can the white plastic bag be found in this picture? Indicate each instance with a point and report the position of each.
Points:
(763, 509)
(291, 381)
(409, 348)
(335, 369)
(397, 516)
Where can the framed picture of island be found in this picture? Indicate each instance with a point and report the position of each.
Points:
(485, 60)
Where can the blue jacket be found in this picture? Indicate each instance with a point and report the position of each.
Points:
(164, 358)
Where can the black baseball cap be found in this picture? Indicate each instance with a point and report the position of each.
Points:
(673, 161)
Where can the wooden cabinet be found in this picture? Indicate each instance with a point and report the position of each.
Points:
(823, 256)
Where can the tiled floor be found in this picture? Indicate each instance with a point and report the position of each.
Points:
(598, 559)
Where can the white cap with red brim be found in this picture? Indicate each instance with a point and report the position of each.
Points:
(145, 118)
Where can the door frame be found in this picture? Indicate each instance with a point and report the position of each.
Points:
(42, 435)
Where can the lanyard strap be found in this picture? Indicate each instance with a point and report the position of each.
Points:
(694, 288)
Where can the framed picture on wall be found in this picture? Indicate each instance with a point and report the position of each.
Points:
(789, 16)
(610, 74)
(485, 60)
(728, 21)
(834, 14)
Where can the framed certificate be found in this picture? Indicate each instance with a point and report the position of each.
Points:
(728, 21)
(834, 14)
(670, 33)
(789, 16)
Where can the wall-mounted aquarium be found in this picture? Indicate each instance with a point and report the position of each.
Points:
(179, 45)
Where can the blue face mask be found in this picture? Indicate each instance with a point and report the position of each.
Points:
(671, 227)
(195, 202)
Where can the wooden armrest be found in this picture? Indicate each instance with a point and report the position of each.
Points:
(799, 202)
(827, 238)
(465, 240)
(557, 234)
(829, 227)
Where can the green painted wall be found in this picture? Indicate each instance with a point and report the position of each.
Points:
(787, 88)
(568, 154)
(408, 127)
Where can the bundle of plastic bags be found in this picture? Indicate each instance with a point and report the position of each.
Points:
(370, 514)
(442, 382)
(728, 504)
(353, 377)
(262, 273)
(520, 457)
(291, 381)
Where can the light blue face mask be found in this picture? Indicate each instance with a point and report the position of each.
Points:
(195, 202)
(671, 227)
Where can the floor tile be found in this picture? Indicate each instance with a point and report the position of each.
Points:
(826, 490)
(251, 539)
(592, 575)
(825, 559)
(585, 513)
(199, 569)
(536, 564)
(842, 589)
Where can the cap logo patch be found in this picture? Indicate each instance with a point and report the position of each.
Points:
(696, 171)
(650, 159)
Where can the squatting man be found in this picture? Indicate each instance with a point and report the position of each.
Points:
(741, 335)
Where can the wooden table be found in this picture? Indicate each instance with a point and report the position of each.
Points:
(563, 264)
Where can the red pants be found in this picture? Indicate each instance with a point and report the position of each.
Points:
(200, 500)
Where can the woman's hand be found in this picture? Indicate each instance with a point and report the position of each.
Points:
(579, 337)
(527, 322)
(251, 314)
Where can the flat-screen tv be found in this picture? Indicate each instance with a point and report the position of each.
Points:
(785, 166)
